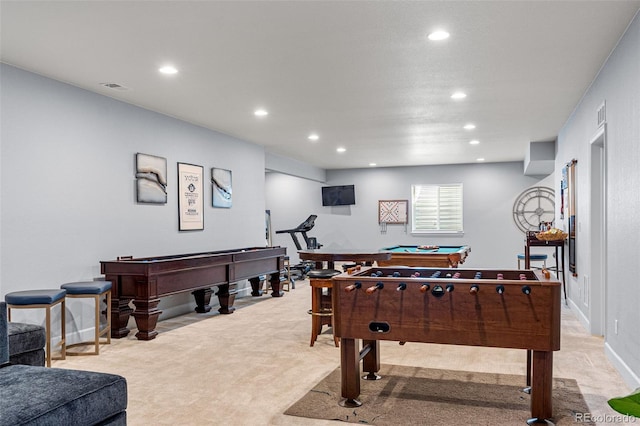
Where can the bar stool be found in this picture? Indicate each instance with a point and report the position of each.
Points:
(288, 281)
(533, 258)
(321, 305)
(36, 299)
(95, 290)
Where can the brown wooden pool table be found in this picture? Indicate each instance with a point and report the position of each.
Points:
(425, 256)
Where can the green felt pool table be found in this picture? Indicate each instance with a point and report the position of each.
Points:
(425, 256)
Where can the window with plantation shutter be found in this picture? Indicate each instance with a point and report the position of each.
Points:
(436, 208)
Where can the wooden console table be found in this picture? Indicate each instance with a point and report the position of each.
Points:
(532, 241)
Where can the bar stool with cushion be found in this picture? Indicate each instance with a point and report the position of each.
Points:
(96, 290)
(533, 258)
(321, 307)
(37, 299)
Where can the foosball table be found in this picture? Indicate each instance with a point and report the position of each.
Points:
(476, 307)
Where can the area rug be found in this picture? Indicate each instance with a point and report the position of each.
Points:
(423, 396)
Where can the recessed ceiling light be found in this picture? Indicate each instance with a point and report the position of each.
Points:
(313, 137)
(479, 159)
(474, 142)
(168, 69)
(341, 149)
(260, 112)
(438, 35)
(469, 126)
(372, 164)
(459, 95)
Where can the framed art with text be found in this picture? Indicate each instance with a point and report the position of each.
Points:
(190, 197)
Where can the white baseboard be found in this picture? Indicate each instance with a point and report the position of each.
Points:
(630, 378)
(78, 336)
(184, 303)
(580, 315)
(171, 306)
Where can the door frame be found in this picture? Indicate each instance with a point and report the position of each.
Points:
(597, 286)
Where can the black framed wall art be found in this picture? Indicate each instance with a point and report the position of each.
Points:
(190, 197)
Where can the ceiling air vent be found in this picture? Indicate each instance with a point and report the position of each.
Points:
(114, 86)
(602, 114)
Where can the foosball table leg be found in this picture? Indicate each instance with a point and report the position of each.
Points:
(371, 359)
(541, 387)
(350, 372)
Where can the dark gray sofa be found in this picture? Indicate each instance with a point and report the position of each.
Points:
(34, 395)
(26, 344)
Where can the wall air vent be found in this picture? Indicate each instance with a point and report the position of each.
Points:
(602, 114)
(114, 86)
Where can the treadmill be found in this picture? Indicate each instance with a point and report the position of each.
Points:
(300, 270)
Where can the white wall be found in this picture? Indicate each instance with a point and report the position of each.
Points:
(68, 201)
(289, 166)
(618, 83)
(68, 185)
(291, 200)
(489, 193)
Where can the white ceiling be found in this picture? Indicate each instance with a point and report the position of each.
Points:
(361, 74)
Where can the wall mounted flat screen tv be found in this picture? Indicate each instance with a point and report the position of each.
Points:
(343, 195)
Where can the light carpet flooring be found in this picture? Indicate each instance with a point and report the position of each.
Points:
(247, 368)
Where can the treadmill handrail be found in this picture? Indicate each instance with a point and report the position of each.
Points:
(303, 228)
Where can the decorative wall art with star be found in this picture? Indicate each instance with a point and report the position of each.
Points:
(392, 211)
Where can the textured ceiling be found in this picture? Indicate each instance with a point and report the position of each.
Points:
(362, 75)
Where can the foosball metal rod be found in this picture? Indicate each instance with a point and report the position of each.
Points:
(527, 389)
